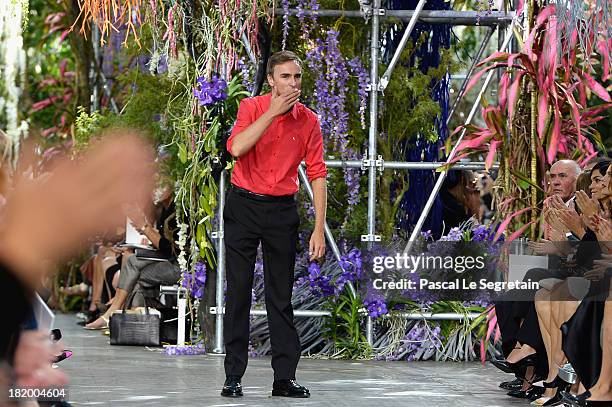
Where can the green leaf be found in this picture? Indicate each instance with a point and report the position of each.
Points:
(182, 153)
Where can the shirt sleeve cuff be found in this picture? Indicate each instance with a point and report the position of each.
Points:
(315, 175)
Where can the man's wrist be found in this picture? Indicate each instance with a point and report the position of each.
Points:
(268, 115)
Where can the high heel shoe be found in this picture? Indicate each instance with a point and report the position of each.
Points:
(582, 400)
(578, 400)
(65, 355)
(532, 393)
(515, 384)
(556, 400)
(517, 368)
(561, 386)
(557, 381)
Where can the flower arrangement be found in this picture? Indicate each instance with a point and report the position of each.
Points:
(189, 350)
(195, 281)
(210, 92)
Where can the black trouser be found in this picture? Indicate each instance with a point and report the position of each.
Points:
(275, 224)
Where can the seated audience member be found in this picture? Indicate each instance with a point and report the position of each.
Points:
(146, 272)
(486, 197)
(522, 341)
(460, 199)
(586, 327)
(97, 274)
(106, 263)
(583, 182)
(558, 301)
(577, 295)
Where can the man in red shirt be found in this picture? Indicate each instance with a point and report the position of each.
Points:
(273, 133)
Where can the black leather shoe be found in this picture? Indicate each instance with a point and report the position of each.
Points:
(556, 400)
(515, 384)
(502, 365)
(535, 392)
(518, 368)
(232, 387)
(578, 400)
(289, 388)
(561, 386)
(582, 400)
(532, 393)
(558, 382)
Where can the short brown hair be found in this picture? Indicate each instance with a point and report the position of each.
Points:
(281, 57)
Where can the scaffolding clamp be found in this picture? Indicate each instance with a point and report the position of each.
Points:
(371, 238)
(380, 86)
(368, 11)
(367, 163)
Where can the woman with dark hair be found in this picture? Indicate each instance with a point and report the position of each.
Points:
(460, 199)
(598, 173)
(583, 182)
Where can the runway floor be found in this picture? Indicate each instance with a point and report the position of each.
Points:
(104, 375)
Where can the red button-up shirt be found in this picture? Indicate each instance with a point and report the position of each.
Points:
(270, 166)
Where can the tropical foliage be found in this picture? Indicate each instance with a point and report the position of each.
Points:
(562, 79)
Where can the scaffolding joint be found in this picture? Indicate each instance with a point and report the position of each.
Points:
(379, 86)
(384, 82)
(378, 163)
(369, 11)
(371, 238)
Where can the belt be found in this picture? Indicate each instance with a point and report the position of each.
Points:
(245, 193)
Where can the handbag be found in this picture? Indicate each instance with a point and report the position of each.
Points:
(134, 329)
(153, 255)
(168, 331)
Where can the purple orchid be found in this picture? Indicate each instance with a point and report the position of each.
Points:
(196, 281)
(210, 92)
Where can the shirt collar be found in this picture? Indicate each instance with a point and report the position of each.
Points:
(266, 104)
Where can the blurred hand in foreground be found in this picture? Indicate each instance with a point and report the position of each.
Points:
(49, 218)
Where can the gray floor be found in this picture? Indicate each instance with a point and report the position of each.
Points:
(106, 375)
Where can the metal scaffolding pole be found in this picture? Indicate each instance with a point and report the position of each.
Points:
(373, 135)
(417, 165)
(448, 316)
(384, 80)
(262, 312)
(220, 266)
(442, 176)
(477, 58)
(426, 16)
